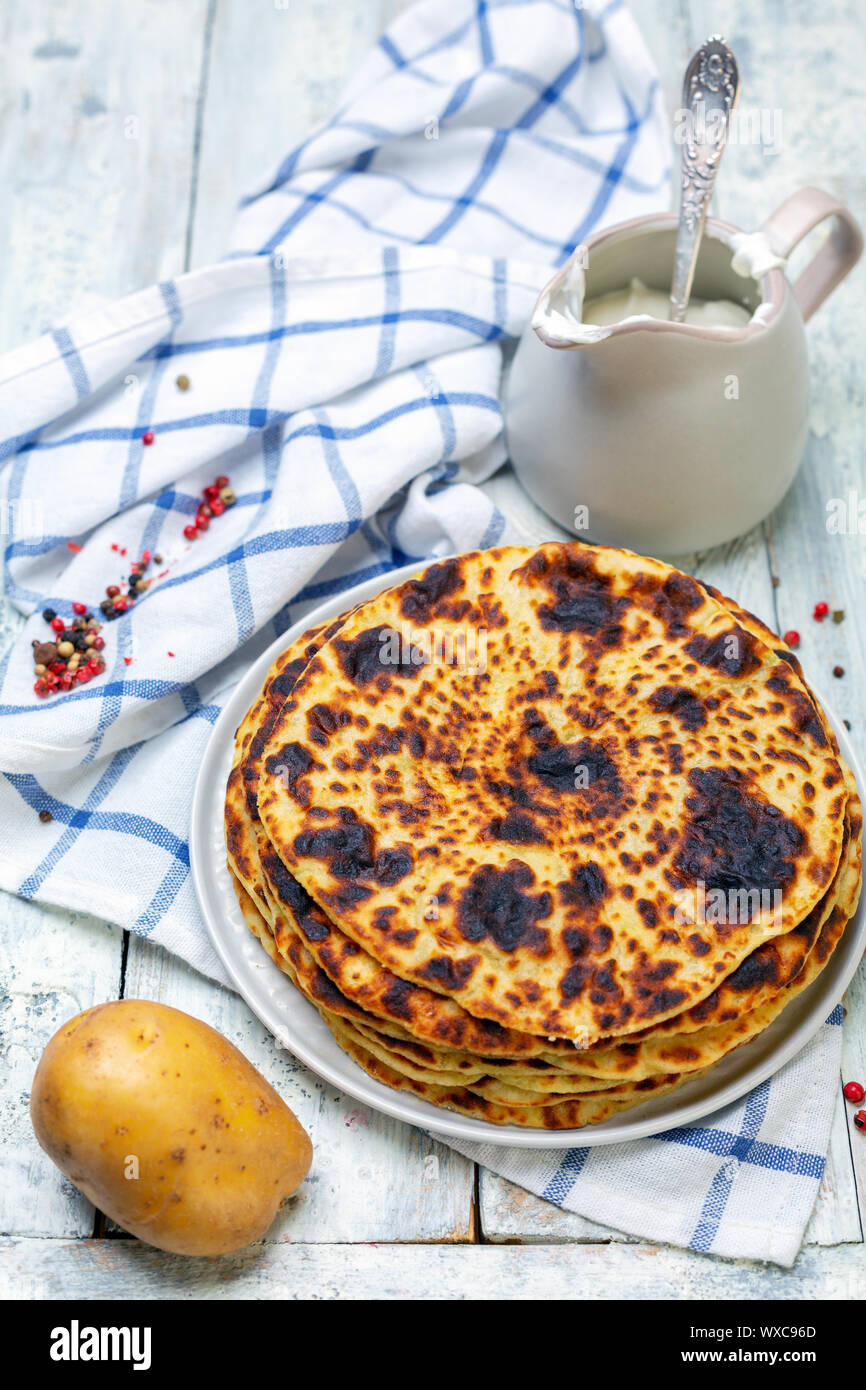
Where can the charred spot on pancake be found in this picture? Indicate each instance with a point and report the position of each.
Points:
(450, 974)
(382, 917)
(670, 602)
(491, 609)
(583, 769)
(684, 706)
(580, 942)
(600, 980)
(404, 936)
(734, 840)
(732, 653)
(515, 828)
(698, 946)
(497, 905)
(679, 594)
(290, 891)
(349, 851)
(397, 997)
(421, 596)
(321, 723)
(803, 713)
(585, 888)
(375, 655)
(283, 684)
(324, 989)
(659, 1001)
(582, 599)
(760, 968)
(290, 765)
(648, 912)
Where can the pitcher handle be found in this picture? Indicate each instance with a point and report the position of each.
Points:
(796, 217)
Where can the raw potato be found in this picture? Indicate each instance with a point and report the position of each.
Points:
(136, 1087)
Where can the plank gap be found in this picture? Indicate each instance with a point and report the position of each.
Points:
(207, 45)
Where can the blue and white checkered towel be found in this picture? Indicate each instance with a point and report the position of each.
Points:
(344, 365)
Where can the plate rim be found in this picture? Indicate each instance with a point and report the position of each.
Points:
(641, 1122)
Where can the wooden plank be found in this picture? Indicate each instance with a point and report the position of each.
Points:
(96, 148)
(836, 1218)
(854, 1069)
(275, 72)
(42, 1269)
(95, 158)
(509, 1215)
(808, 68)
(372, 1178)
(43, 988)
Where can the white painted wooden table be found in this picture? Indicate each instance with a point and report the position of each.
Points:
(124, 145)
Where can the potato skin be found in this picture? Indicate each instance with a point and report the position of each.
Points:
(217, 1148)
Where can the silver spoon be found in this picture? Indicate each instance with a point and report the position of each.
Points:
(710, 93)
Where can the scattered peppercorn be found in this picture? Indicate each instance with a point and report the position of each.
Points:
(55, 663)
(860, 1119)
(820, 611)
(157, 559)
(792, 637)
(838, 672)
(45, 817)
(838, 615)
(847, 723)
(49, 614)
(182, 382)
(854, 1092)
(148, 437)
(215, 498)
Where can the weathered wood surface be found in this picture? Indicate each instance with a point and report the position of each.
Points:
(123, 149)
(38, 1269)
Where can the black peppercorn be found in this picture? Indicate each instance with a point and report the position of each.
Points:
(48, 614)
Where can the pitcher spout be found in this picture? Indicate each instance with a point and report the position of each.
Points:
(585, 304)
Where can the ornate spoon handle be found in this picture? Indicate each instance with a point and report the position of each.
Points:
(710, 94)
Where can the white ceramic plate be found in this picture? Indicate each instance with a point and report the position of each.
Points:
(294, 1021)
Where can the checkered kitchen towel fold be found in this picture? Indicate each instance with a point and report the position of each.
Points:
(344, 366)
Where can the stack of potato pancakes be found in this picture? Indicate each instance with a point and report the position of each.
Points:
(543, 833)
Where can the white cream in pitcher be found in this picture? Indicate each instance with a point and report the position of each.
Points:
(637, 301)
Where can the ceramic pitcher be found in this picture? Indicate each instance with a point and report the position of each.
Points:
(671, 437)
